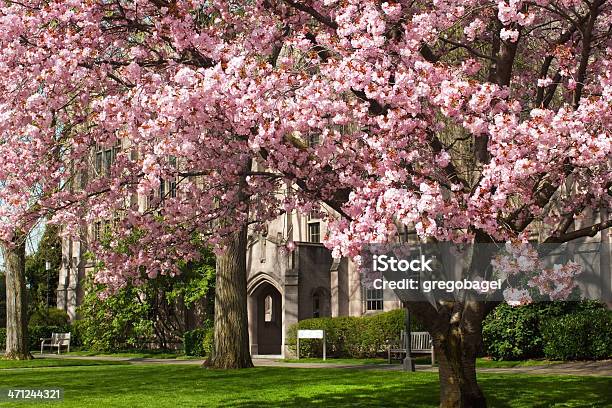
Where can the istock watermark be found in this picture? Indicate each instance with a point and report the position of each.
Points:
(482, 286)
(384, 263)
(516, 272)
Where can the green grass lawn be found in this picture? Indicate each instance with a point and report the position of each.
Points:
(348, 361)
(53, 362)
(191, 386)
(480, 363)
(488, 363)
(135, 354)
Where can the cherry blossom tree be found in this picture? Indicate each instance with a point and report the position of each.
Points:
(91, 95)
(467, 121)
(29, 172)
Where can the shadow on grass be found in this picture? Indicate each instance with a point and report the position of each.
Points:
(192, 386)
(514, 390)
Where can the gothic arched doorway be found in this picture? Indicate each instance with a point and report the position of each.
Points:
(269, 320)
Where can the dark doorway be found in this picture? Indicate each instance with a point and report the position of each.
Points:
(269, 319)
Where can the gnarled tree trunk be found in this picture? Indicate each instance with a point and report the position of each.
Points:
(456, 330)
(231, 319)
(456, 353)
(16, 302)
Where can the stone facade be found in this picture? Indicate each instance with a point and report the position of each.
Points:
(70, 290)
(287, 286)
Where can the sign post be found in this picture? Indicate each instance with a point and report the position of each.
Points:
(311, 334)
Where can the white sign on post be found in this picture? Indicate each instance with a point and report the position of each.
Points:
(310, 334)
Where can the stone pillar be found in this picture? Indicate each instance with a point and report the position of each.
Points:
(64, 273)
(72, 289)
(605, 269)
(290, 307)
(252, 311)
(335, 288)
(355, 289)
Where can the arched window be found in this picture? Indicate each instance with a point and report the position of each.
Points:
(320, 302)
(316, 305)
(268, 309)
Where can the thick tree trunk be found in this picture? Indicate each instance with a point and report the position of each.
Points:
(456, 345)
(231, 321)
(457, 370)
(16, 303)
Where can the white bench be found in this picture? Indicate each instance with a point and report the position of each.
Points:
(421, 344)
(57, 340)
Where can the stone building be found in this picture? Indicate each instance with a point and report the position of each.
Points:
(287, 286)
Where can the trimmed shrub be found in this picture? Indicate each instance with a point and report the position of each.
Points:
(209, 341)
(355, 337)
(515, 333)
(199, 342)
(581, 336)
(118, 322)
(512, 333)
(49, 317)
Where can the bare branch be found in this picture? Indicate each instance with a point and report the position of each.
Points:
(583, 232)
(314, 13)
(470, 49)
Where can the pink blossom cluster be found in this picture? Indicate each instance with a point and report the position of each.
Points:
(520, 261)
(517, 297)
(557, 282)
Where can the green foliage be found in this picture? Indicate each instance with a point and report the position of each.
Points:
(2, 337)
(209, 341)
(199, 342)
(356, 337)
(49, 317)
(193, 342)
(42, 283)
(196, 282)
(153, 313)
(2, 301)
(515, 333)
(579, 336)
(115, 322)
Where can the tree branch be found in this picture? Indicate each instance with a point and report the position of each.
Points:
(583, 232)
(585, 54)
(314, 13)
(471, 50)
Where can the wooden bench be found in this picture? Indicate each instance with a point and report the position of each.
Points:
(421, 344)
(57, 340)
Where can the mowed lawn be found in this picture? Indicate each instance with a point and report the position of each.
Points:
(53, 362)
(191, 386)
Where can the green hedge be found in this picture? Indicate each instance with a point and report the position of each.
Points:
(513, 333)
(582, 336)
(49, 317)
(355, 337)
(199, 342)
(516, 333)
